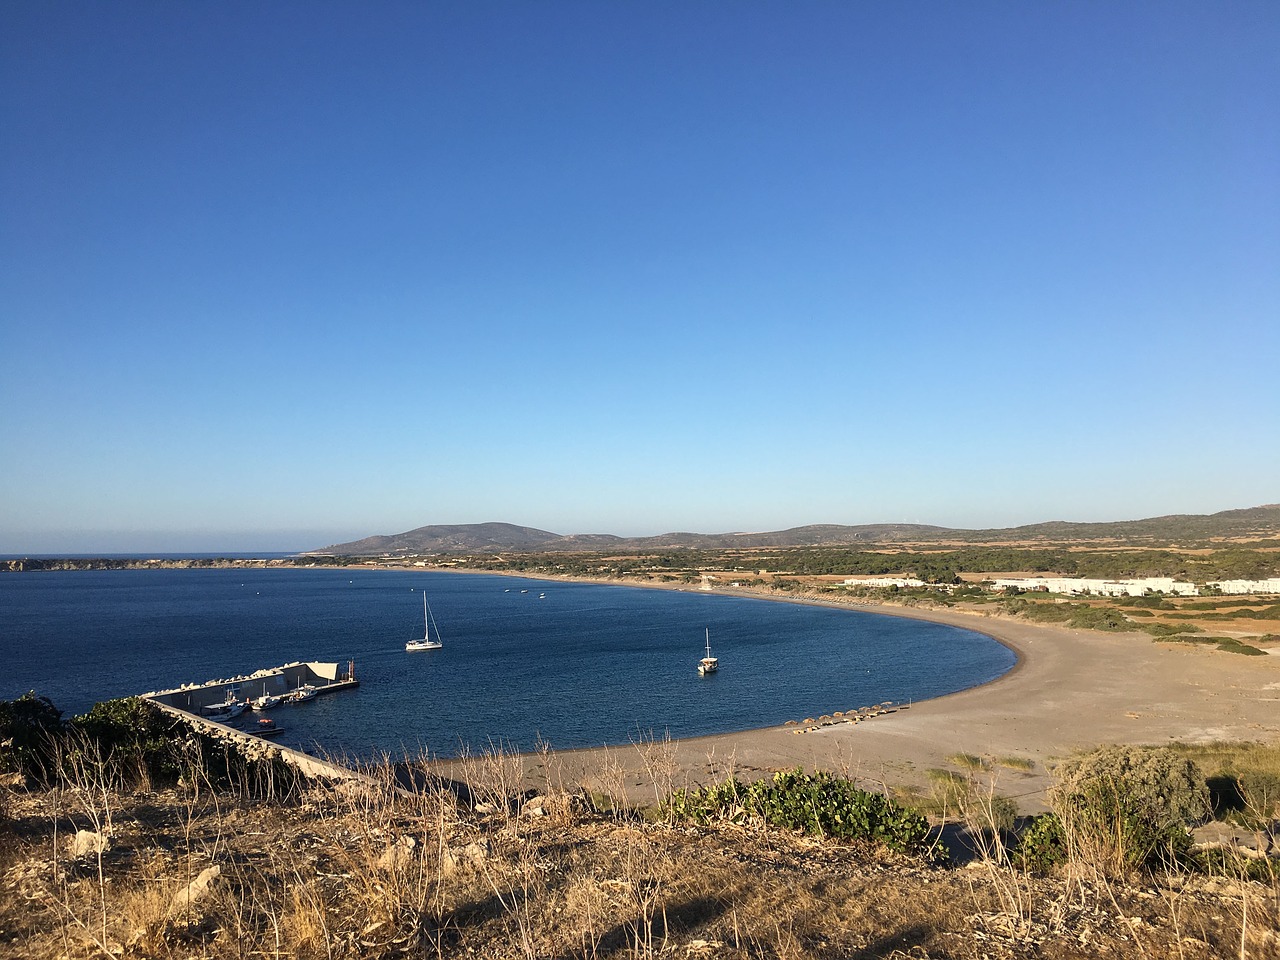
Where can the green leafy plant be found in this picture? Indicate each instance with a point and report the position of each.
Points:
(820, 804)
(133, 736)
(1042, 845)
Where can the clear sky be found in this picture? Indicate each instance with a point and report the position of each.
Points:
(275, 275)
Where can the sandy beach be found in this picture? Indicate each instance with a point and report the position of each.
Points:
(1072, 689)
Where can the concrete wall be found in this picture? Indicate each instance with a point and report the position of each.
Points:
(258, 748)
(194, 697)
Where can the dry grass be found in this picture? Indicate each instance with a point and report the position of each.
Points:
(358, 872)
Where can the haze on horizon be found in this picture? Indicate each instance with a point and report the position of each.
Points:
(278, 276)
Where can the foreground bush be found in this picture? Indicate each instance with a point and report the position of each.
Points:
(1121, 808)
(134, 737)
(30, 728)
(820, 804)
(130, 742)
(1042, 846)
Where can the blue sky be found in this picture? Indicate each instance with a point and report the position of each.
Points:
(278, 275)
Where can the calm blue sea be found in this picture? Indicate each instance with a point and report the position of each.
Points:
(584, 665)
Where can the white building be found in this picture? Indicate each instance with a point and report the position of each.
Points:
(1248, 586)
(881, 582)
(1105, 588)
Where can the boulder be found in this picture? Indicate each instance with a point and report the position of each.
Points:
(472, 855)
(398, 855)
(86, 843)
(189, 900)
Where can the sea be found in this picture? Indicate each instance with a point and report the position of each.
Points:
(525, 662)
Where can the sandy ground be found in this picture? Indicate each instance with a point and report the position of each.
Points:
(1071, 690)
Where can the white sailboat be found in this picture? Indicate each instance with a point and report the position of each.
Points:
(428, 621)
(708, 664)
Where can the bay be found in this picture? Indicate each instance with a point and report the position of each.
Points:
(571, 664)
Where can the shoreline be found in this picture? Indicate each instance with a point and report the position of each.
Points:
(1068, 690)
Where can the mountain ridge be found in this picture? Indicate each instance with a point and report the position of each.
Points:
(497, 536)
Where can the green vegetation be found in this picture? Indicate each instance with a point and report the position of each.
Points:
(1082, 616)
(1017, 763)
(1243, 779)
(1119, 808)
(128, 742)
(1042, 845)
(1159, 630)
(942, 566)
(29, 728)
(968, 761)
(820, 804)
(1232, 645)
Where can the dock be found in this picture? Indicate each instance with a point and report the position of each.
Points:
(282, 682)
(188, 702)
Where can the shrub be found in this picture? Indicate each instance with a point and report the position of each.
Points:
(1232, 645)
(1017, 763)
(968, 761)
(1159, 630)
(1081, 616)
(821, 804)
(1260, 792)
(30, 729)
(1042, 845)
(1099, 618)
(133, 736)
(1127, 807)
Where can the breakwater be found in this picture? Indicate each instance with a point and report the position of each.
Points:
(285, 682)
(190, 704)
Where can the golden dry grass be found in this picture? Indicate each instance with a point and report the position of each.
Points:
(358, 872)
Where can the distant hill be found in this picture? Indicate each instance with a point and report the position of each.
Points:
(469, 538)
(457, 538)
(1263, 522)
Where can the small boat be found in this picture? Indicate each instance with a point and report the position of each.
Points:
(428, 621)
(303, 693)
(266, 702)
(228, 709)
(708, 664)
(266, 727)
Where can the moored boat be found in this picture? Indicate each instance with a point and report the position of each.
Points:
(266, 727)
(228, 709)
(428, 621)
(708, 664)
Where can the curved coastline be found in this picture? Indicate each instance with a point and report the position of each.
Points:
(1067, 690)
(874, 609)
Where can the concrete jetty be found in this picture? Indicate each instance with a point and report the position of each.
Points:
(188, 701)
(276, 681)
